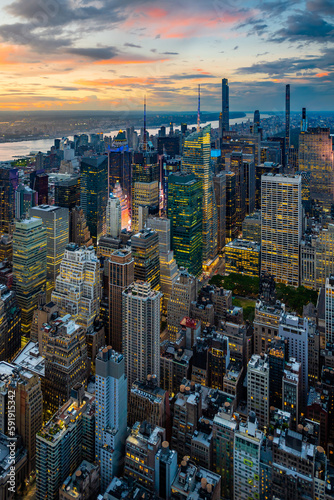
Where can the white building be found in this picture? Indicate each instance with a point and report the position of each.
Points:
(141, 331)
(296, 331)
(113, 217)
(281, 226)
(78, 289)
(258, 388)
(247, 446)
(110, 413)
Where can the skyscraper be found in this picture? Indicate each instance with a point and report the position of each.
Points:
(9, 179)
(113, 217)
(225, 106)
(120, 275)
(25, 198)
(29, 267)
(287, 123)
(184, 292)
(196, 160)
(141, 332)
(111, 413)
(257, 120)
(77, 291)
(67, 192)
(329, 309)
(10, 324)
(186, 215)
(79, 232)
(219, 183)
(281, 227)
(258, 388)
(234, 163)
(145, 251)
(315, 155)
(231, 207)
(145, 188)
(55, 221)
(94, 194)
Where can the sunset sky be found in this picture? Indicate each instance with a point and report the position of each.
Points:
(106, 54)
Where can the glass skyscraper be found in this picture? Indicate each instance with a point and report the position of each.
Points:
(196, 160)
(185, 214)
(94, 194)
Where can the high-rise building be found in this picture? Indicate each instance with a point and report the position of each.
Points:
(276, 360)
(291, 390)
(113, 217)
(219, 184)
(79, 232)
(39, 182)
(10, 324)
(66, 363)
(184, 292)
(29, 267)
(62, 443)
(234, 163)
(120, 275)
(111, 413)
(168, 267)
(78, 291)
(316, 157)
(268, 167)
(329, 309)
(281, 227)
(231, 207)
(67, 192)
(225, 106)
(258, 388)
(29, 405)
(145, 188)
(145, 251)
(147, 401)
(251, 227)
(165, 470)
(196, 160)
(83, 484)
(25, 198)
(185, 213)
(55, 221)
(257, 120)
(9, 180)
(287, 123)
(242, 256)
(141, 332)
(247, 447)
(94, 194)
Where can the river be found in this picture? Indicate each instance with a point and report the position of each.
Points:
(9, 150)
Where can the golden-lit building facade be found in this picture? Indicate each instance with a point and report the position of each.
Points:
(196, 160)
(281, 227)
(145, 252)
(316, 156)
(242, 256)
(231, 209)
(29, 267)
(78, 289)
(145, 188)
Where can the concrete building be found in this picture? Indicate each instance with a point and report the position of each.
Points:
(111, 413)
(113, 217)
(184, 292)
(251, 227)
(258, 388)
(195, 483)
(10, 324)
(242, 257)
(83, 484)
(145, 251)
(149, 402)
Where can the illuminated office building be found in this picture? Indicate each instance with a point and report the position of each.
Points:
(196, 160)
(113, 217)
(25, 199)
(258, 388)
(265, 168)
(120, 275)
(39, 182)
(120, 170)
(145, 188)
(316, 156)
(67, 192)
(145, 251)
(94, 194)
(185, 213)
(168, 267)
(251, 227)
(225, 106)
(242, 256)
(329, 309)
(184, 292)
(219, 184)
(55, 221)
(10, 324)
(78, 290)
(141, 332)
(66, 362)
(231, 210)
(79, 232)
(9, 180)
(287, 123)
(29, 267)
(281, 227)
(234, 163)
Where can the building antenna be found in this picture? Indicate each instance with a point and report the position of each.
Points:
(199, 109)
(145, 138)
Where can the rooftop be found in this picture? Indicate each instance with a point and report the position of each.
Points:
(30, 359)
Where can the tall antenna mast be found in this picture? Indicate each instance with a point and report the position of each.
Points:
(199, 109)
(145, 138)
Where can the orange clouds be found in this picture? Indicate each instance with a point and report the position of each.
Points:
(320, 75)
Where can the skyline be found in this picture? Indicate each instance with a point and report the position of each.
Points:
(106, 54)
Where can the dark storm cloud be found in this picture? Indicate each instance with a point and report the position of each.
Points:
(23, 34)
(96, 54)
(306, 26)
